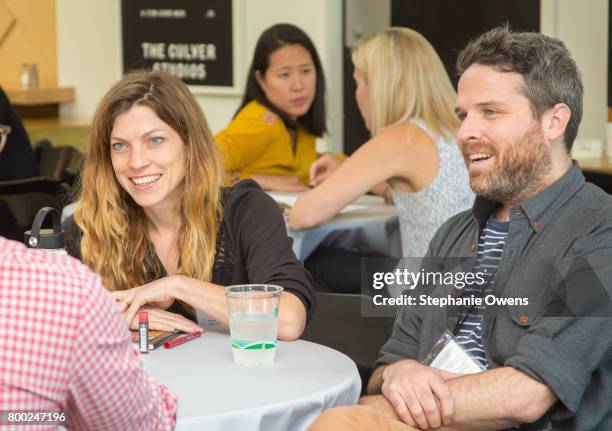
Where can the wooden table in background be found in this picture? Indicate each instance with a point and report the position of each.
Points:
(598, 166)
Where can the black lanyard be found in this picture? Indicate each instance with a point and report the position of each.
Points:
(464, 312)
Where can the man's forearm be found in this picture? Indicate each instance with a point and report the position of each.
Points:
(499, 398)
(380, 404)
(376, 380)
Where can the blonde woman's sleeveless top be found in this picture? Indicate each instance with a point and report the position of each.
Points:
(421, 213)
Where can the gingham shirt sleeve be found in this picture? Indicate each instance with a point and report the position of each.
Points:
(109, 388)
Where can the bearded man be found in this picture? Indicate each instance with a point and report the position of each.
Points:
(541, 233)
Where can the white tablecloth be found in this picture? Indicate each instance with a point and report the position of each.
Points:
(217, 395)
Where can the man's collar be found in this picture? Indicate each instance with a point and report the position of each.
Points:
(482, 209)
(538, 207)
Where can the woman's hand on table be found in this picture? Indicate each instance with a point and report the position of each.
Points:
(322, 168)
(162, 320)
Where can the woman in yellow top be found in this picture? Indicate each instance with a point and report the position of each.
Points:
(271, 139)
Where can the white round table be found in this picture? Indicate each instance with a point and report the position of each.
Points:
(217, 395)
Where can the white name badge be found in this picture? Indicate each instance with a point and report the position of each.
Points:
(448, 355)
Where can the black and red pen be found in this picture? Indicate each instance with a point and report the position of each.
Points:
(181, 339)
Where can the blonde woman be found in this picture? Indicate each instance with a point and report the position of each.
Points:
(154, 220)
(407, 102)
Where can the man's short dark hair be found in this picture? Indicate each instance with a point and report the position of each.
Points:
(548, 69)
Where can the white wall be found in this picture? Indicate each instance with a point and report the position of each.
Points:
(90, 57)
(583, 27)
(89, 51)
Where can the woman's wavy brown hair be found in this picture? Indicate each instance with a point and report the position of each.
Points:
(115, 242)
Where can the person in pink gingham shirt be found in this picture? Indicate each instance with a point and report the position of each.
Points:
(64, 346)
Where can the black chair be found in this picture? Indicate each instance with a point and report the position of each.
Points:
(337, 323)
(60, 163)
(604, 181)
(20, 200)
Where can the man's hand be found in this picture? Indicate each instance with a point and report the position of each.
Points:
(419, 394)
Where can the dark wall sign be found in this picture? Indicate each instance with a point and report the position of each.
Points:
(191, 39)
(450, 24)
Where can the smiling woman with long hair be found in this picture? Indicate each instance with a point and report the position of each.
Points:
(155, 222)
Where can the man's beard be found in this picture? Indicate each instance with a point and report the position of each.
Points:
(518, 171)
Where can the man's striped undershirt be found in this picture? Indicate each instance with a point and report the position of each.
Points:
(490, 248)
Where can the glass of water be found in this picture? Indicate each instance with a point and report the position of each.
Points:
(253, 317)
